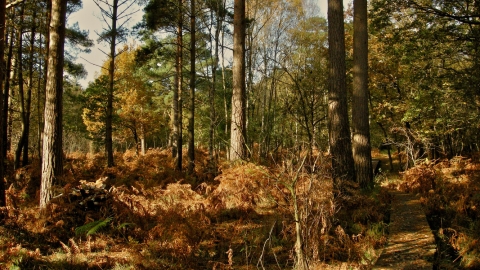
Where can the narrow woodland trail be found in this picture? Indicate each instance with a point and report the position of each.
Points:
(411, 244)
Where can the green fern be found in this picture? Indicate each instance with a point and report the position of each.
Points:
(92, 227)
(126, 224)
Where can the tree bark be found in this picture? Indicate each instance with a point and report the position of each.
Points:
(339, 133)
(6, 94)
(211, 94)
(191, 120)
(28, 100)
(45, 67)
(2, 75)
(238, 124)
(362, 150)
(111, 71)
(18, 151)
(177, 94)
(142, 142)
(52, 154)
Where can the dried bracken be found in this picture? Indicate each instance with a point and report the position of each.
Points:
(449, 191)
(143, 214)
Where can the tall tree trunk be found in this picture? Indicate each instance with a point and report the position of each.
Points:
(224, 85)
(191, 120)
(25, 100)
(177, 94)
(362, 150)
(3, 200)
(238, 124)
(21, 141)
(45, 68)
(40, 99)
(52, 154)
(6, 94)
(111, 71)
(28, 100)
(339, 132)
(211, 94)
(211, 98)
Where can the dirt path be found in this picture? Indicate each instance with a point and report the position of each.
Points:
(411, 244)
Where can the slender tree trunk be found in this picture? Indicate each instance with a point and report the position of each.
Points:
(28, 101)
(21, 141)
(142, 140)
(224, 86)
(6, 94)
(39, 104)
(177, 94)
(238, 124)
(362, 150)
(191, 120)
(111, 71)
(135, 138)
(3, 200)
(25, 101)
(339, 132)
(45, 68)
(54, 92)
(389, 146)
(218, 26)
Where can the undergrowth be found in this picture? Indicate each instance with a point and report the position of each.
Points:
(228, 216)
(450, 192)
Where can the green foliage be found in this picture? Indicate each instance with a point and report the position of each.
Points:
(377, 230)
(160, 13)
(125, 225)
(119, 266)
(92, 227)
(78, 38)
(424, 65)
(94, 107)
(77, 70)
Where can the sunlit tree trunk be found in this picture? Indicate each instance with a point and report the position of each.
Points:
(142, 140)
(339, 132)
(362, 152)
(42, 93)
(52, 154)
(191, 120)
(238, 124)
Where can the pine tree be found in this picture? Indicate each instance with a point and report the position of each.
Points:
(52, 162)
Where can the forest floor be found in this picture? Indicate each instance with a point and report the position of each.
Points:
(229, 216)
(411, 244)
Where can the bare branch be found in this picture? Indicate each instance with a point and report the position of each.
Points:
(92, 63)
(14, 3)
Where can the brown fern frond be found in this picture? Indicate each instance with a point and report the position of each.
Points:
(88, 245)
(65, 248)
(75, 248)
